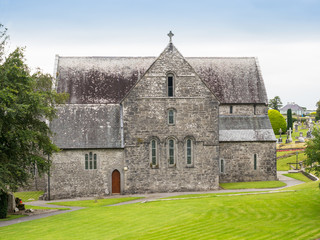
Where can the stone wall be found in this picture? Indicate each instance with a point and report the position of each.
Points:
(70, 179)
(145, 117)
(243, 109)
(239, 161)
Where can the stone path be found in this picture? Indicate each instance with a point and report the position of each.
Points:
(147, 197)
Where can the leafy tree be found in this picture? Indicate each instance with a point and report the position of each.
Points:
(318, 111)
(275, 103)
(26, 101)
(277, 121)
(313, 153)
(289, 119)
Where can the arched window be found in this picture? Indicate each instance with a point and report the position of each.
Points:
(255, 161)
(153, 152)
(221, 166)
(189, 151)
(171, 151)
(170, 85)
(90, 161)
(171, 117)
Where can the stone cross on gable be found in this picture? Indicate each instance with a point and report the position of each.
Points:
(170, 34)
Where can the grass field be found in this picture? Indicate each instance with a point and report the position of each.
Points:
(95, 202)
(282, 162)
(248, 185)
(298, 176)
(291, 215)
(28, 196)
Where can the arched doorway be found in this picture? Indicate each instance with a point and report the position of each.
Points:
(115, 182)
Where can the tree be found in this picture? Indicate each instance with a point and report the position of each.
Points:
(26, 101)
(318, 111)
(277, 121)
(275, 103)
(313, 153)
(289, 119)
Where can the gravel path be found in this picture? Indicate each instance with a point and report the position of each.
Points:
(147, 197)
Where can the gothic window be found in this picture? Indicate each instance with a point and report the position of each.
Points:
(153, 152)
(221, 166)
(231, 109)
(171, 151)
(90, 161)
(171, 116)
(170, 83)
(255, 161)
(189, 151)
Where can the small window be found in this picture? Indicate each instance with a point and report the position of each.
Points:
(189, 151)
(254, 109)
(95, 161)
(231, 109)
(221, 166)
(171, 117)
(255, 161)
(86, 162)
(90, 161)
(170, 86)
(154, 152)
(171, 152)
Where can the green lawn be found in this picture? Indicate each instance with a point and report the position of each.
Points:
(293, 134)
(298, 176)
(291, 215)
(11, 217)
(248, 185)
(95, 202)
(28, 196)
(282, 163)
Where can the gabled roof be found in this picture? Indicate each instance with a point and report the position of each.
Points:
(103, 80)
(293, 106)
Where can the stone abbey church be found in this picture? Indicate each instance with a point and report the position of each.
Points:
(159, 124)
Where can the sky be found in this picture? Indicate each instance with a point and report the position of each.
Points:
(283, 34)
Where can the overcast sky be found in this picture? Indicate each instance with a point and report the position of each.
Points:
(283, 34)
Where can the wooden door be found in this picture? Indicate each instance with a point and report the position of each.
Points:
(115, 182)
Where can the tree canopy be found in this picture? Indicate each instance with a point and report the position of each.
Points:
(27, 101)
(318, 111)
(275, 103)
(313, 153)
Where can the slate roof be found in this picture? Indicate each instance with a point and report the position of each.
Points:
(245, 128)
(292, 106)
(106, 80)
(87, 126)
(99, 80)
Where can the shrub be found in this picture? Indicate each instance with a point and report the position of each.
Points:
(3, 204)
(277, 121)
(289, 119)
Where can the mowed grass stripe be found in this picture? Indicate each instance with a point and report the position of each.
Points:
(290, 215)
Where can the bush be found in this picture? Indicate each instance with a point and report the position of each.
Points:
(3, 204)
(277, 121)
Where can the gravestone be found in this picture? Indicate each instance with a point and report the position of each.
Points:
(289, 138)
(280, 138)
(300, 138)
(11, 203)
(309, 135)
(296, 126)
